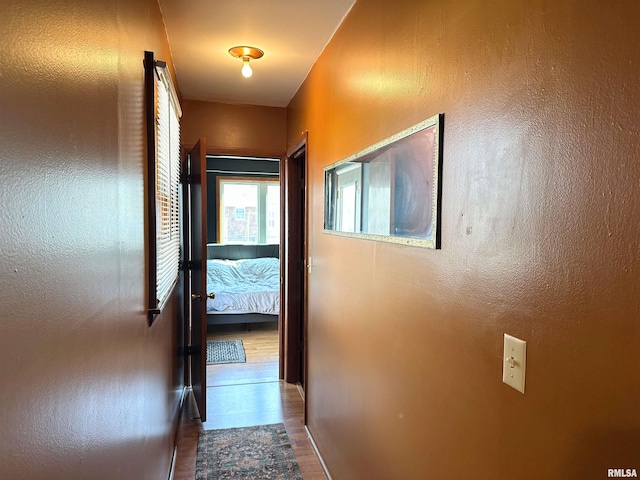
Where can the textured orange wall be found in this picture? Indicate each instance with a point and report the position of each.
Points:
(87, 389)
(539, 239)
(240, 129)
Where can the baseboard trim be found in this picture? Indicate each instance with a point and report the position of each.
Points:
(300, 390)
(174, 456)
(315, 449)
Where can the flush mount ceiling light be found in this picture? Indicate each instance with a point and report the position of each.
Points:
(246, 54)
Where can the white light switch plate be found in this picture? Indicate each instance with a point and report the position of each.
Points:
(514, 362)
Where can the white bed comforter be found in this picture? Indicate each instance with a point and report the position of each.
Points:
(244, 286)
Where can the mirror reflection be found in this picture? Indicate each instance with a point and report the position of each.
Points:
(389, 191)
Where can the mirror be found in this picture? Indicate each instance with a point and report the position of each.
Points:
(389, 191)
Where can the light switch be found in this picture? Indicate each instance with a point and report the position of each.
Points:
(514, 362)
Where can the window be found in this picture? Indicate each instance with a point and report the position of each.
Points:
(163, 144)
(248, 210)
(348, 196)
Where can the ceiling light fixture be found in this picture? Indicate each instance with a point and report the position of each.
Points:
(246, 54)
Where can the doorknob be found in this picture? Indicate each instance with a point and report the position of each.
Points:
(195, 296)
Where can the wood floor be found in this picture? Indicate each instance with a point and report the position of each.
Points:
(246, 394)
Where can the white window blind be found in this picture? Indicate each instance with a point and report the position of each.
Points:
(164, 184)
(167, 185)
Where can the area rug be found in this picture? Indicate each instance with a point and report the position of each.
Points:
(225, 351)
(262, 452)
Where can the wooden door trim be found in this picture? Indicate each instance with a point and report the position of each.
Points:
(300, 142)
(283, 261)
(242, 151)
(185, 257)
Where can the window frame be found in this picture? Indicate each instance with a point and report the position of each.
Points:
(261, 218)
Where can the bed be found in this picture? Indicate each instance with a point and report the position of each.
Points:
(246, 283)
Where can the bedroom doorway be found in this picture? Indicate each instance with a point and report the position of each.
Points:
(243, 227)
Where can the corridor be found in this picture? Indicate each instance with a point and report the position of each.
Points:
(246, 394)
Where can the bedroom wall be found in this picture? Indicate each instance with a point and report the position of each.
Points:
(87, 389)
(540, 233)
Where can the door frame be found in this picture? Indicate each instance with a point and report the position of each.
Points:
(291, 370)
(287, 352)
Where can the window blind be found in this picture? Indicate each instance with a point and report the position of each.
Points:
(167, 183)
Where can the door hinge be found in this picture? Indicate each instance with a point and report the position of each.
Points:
(189, 350)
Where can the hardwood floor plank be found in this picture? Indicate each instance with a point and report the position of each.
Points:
(246, 394)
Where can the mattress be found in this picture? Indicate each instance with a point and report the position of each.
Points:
(244, 286)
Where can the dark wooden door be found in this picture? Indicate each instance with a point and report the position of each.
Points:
(294, 267)
(197, 180)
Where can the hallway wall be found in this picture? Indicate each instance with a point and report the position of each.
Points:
(540, 239)
(235, 129)
(87, 389)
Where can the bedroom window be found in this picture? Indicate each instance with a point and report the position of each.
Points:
(249, 210)
(163, 200)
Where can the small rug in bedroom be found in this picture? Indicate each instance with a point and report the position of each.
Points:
(225, 351)
(262, 452)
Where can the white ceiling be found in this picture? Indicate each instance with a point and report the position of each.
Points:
(292, 34)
